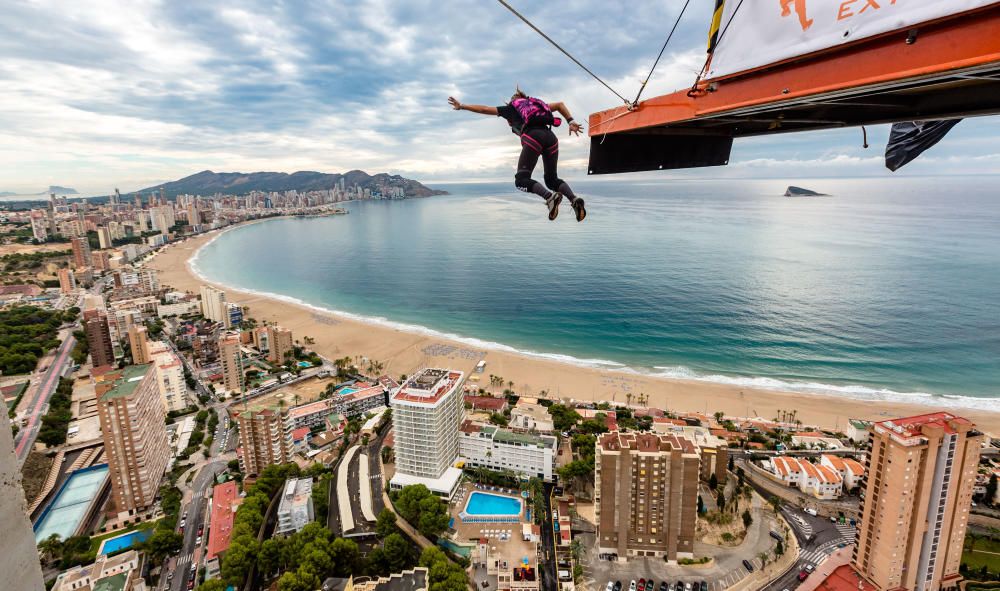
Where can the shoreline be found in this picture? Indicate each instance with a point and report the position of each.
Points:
(406, 347)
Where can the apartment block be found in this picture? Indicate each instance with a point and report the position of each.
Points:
(821, 481)
(135, 436)
(915, 504)
(122, 572)
(263, 441)
(213, 305)
(280, 343)
(81, 251)
(138, 340)
(102, 351)
(231, 359)
(169, 375)
(67, 281)
(367, 397)
(427, 413)
(295, 510)
(646, 494)
(487, 446)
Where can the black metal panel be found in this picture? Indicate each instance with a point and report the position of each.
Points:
(626, 152)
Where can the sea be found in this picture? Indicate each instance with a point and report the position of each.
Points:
(888, 289)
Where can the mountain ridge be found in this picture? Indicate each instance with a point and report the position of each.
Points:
(208, 182)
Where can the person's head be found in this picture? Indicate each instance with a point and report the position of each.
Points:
(518, 93)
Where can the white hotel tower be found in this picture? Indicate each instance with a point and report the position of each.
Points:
(426, 415)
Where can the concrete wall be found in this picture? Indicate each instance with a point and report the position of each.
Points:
(19, 559)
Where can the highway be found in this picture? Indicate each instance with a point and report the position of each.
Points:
(39, 394)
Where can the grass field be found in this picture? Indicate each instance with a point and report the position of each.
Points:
(986, 552)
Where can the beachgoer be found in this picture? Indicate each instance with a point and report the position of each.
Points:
(532, 120)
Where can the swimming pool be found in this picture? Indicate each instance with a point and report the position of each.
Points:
(346, 390)
(69, 507)
(481, 503)
(124, 541)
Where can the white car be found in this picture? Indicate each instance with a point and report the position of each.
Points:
(631, 586)
(610, 586)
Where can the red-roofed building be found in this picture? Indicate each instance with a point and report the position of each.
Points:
(485, 403)
(843, 578)
(669, 421)
(851, 472)
(225, 499)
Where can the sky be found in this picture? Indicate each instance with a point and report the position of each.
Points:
(98, 94)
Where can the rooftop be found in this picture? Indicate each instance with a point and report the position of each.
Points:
(843, 578)
(428, 386)
(645, 442)
(225, 499)
(913, 426)
(112, 583)
(308, 409)
(411, 580)
(126, 384)
(486, 403)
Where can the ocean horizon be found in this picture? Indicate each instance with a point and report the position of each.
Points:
(886, 290)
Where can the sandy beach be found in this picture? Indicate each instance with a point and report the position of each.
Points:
(402, 352)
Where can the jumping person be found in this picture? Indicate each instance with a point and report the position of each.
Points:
(532, 120)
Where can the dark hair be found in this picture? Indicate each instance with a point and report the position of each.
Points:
(518, 93)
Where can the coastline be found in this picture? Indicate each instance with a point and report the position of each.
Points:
(404, 348)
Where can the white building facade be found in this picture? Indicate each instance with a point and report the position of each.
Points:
(487, 446)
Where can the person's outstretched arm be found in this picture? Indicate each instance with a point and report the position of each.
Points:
(481, 109)
(561, 108)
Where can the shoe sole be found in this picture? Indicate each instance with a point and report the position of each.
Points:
(554, 212)
(581, 211)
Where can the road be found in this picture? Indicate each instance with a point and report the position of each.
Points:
(547, 549)
(196, 510)
(40, 393)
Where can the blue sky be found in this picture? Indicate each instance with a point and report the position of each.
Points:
(98, 94)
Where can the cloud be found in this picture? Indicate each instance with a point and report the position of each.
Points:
(105, 93)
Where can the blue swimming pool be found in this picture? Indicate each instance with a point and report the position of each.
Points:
(346, 390)
(481, 503)
(124, 541)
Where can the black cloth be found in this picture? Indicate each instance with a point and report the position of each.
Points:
(540, 142)
(515, 121)
(910, 139)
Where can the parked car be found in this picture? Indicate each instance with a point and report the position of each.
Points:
(748, 565)
(631, 586)
(618, 586)
(776, 536)
(649, 585)
(664, 586)
(812, 512)
(803, 575)
(703, 586)
(810, 568)
(609, 587)
(687, 586)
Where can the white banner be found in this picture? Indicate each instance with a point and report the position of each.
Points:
(768, 31)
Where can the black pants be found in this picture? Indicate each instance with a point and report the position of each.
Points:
(540, 142)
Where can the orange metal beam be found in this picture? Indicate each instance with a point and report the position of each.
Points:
(965, 41)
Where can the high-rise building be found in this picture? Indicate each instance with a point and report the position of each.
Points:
(102, 351)
(194, 216)
(81, 251)
(19, 559)
(116, 197)
(646, 494)
(39, 225)
(231, 357)
(295, 510)
(915, 503)
(135, 437)
(263, 440)
(137, 340)
(280, 342)
(213, 304)
(427, 414)
(169, 376)
(104, 237)
(67, 281)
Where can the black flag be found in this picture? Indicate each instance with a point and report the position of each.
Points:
(909, 139)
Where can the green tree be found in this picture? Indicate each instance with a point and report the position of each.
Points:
(212, 585)
(701, 505)
(51, 548)
(385, 524)
(747, 518)
(721, 500)
(564, 418)
(713, 481)
(991, 489)
(779, 549)
(397, 550)
(422, 509)
(269, 560)
(444, 575)
(163, 543)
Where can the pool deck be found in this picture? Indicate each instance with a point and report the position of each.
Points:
(511, 550)
(72, 503)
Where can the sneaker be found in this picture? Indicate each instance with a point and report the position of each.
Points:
(553, 204)
(581, 211)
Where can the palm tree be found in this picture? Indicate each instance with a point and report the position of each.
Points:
(51, 548)
(510, 385)
(628, 398)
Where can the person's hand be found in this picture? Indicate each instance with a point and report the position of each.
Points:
(454, 103)
(575, 128)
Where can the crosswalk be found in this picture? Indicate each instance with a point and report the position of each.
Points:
(818, 555)
(183, 560)
(846, 531)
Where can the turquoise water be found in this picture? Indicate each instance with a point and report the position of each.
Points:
(124, 541)
(481, 503)
(346, 390)
(887, 290)
(458, 549)
(67, 510)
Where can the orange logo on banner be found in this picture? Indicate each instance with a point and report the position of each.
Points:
(800, 9)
